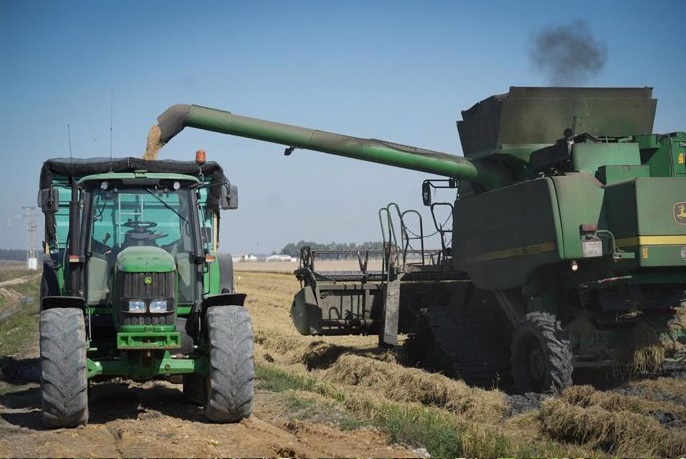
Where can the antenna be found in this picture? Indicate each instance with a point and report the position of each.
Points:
(111, 121)
(69, 137)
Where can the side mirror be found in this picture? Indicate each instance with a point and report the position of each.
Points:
(49, 200)
(229, 197)
(426, 192)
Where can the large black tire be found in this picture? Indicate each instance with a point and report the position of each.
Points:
(230, 385)
(470, 341)
(64, 377)
(541, 356)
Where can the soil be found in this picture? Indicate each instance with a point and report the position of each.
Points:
(153, 419)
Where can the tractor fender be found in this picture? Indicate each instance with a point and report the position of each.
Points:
(50, 302)
(49, 284)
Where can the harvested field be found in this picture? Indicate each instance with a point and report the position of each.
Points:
(290, 266)
(342, 396)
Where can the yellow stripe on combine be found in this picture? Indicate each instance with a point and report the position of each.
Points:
(533, 249)
(651, 240)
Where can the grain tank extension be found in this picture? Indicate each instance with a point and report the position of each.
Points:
(567, 247)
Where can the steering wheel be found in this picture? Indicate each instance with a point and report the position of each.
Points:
(140, 226)
(140, 233)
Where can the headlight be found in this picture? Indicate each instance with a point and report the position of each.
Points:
(158, 306)
(136, 306)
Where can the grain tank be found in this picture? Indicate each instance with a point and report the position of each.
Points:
(567, 247)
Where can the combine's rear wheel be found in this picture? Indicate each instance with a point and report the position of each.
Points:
(64, 378)
(541, 355)
(230, 385)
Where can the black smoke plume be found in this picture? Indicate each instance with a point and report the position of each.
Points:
(568, 54)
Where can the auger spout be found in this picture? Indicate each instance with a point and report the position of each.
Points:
(177, 117)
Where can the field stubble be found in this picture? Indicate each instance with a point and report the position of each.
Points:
(642, 417)
(339, 396)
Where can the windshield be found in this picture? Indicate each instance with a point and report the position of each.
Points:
(124, 218)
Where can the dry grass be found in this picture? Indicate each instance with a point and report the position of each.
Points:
(413, 385)
(447, 416)
(622, 425)
(322, 266)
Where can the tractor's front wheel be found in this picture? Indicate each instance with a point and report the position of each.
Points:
(64, 378)
(230, 385)
(541, 356)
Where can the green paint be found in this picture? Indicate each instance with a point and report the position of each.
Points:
(149, 338)
(146, 260)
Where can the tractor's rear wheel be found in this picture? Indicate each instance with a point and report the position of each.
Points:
(230, 385)
(64, 377)
(541, 356)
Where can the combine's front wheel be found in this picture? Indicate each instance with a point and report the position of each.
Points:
(64, 380)
(541, 355)
(230, 383)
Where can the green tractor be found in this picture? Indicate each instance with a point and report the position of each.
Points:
(133, 285)
(564, 248)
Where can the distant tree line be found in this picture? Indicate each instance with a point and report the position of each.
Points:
(13, 254)
(293, 249)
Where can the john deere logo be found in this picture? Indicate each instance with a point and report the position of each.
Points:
(680, 213)
(147, 280)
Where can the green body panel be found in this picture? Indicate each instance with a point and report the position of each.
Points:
(580, 200)
(145, 259)
(212, 277)
(515, 230)
(158, 364)
(648, 219)
(665, 154)
(160, 337)
(499, 237)
(590, 158)
(616, 173)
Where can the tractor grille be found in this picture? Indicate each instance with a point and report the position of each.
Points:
(146, 287)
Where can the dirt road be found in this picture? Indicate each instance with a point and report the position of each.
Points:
(145, 420)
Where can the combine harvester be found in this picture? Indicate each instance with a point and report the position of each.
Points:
(567, 247)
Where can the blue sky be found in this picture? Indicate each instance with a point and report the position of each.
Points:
(396, 70)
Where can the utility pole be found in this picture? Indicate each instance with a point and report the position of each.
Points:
(30, 216)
